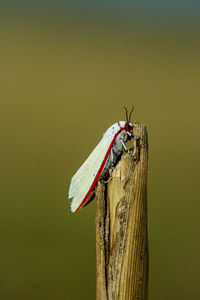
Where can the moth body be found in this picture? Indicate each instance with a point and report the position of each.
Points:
(97, 165)
(116, 149)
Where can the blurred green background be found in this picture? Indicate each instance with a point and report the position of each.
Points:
(66, 69)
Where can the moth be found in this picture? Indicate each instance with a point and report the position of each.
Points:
(100, 161)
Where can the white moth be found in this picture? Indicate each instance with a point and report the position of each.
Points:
(97, 165)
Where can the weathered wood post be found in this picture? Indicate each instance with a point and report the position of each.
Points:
(121, 228)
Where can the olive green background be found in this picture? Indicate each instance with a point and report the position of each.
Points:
(64, 78)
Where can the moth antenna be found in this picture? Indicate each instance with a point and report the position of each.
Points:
(130, 113)
(126, 112)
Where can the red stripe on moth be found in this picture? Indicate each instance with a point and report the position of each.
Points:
(124, 126)
(100, 169)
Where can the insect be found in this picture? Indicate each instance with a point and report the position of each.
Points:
(97, 165)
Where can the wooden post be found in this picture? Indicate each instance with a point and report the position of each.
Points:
(121, 228)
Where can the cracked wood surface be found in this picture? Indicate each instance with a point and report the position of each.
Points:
(121, 228)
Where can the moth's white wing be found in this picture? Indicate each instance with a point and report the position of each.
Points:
(84, 178)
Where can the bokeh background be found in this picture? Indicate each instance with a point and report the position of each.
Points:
(66, 69)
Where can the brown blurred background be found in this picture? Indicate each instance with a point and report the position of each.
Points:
(65, 72)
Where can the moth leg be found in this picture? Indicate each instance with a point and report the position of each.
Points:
(125, 148)
(137, 142)
(112, 166)
(112, 159)
(134, 153)
(109, 179)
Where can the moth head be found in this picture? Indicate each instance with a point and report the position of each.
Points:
(129, 129)
(129, 126)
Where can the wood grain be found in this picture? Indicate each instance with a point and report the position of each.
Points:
(121, 228)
